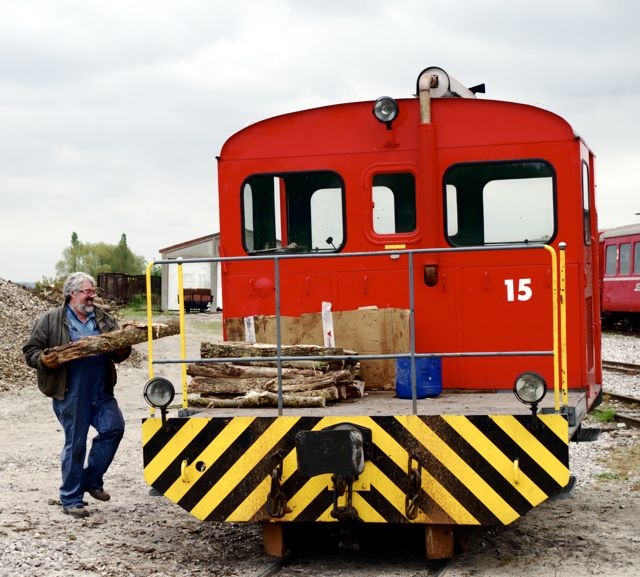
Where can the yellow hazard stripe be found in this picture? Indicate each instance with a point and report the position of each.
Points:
(492, 454)
(168, 453)
(530, 445)
(558, 424)
(209, 456)
(236, 473)
(459, 468)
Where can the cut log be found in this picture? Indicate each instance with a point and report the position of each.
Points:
(222, 370)
(208, 386)
(307, 383)
(261, 399)
(238, 349)
(105, 343)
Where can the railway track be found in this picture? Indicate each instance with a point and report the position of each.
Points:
(618, 367)
(628, 408)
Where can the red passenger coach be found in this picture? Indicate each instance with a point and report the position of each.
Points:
(476, 220)
(620, 270)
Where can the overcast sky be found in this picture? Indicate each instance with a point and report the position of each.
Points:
(112, 112)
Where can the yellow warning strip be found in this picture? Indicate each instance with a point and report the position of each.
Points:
(365, 511)
(173, 448)
(258, 497)
(236, 473)
(533, 447)
(492, 454)
(149, 428)
(558, 424)
(208, 456)
(250, 506)
(459, 468)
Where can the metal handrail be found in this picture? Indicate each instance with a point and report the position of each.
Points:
(558, 338)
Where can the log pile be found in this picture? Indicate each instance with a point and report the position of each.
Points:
(305, 383)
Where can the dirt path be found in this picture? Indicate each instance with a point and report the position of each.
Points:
(595, 531)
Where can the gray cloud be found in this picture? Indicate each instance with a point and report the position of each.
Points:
(112, 113)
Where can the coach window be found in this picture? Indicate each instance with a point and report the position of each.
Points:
(393, 198)
(497, 203)
(293, 212)
(625, 258)
(611, 260)
(636, 258)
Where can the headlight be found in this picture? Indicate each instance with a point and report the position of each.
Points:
(385, 109)
(159, 392)
(530, 388)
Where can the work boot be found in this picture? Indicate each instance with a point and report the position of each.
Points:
(99, 494)
(78, 511)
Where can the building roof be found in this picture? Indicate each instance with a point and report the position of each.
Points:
(188, 243)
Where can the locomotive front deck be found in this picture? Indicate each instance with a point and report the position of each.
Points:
(385, 403)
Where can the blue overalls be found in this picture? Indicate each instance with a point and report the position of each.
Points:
(86, 404)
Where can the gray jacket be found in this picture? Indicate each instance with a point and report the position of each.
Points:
(52, 330)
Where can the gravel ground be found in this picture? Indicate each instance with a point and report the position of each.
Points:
(595, 530)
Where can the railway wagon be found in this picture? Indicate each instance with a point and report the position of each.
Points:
(473, 217)
(620, 273)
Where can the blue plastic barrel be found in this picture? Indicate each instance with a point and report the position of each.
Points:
(428, 377)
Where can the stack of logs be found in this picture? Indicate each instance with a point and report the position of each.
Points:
(305, 383)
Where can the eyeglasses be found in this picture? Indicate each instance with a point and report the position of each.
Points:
(88, 292)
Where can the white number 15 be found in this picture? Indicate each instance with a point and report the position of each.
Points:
(524, 289)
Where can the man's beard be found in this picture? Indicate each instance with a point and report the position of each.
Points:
(85, 309)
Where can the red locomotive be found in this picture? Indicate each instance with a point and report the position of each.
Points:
(476, 220)
(620, 273)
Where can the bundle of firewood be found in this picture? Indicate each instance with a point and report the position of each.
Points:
(305, 383)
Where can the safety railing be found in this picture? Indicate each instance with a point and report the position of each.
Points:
(558, 298)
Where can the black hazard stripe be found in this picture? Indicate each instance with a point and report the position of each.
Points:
(196, 445)
(260, 470)
(458, 490)
(230, 455)
(528, 464)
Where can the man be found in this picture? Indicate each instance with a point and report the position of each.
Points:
(82, 391)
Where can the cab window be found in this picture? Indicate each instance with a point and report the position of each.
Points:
(293, 212)
(498, 203)
(393, 199)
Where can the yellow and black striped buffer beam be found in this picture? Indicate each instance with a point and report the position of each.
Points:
(454, 469)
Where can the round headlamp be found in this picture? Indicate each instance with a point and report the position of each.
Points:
(530, 388)
(159, 392)
(385, 109)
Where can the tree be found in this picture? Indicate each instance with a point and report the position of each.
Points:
(94, 258)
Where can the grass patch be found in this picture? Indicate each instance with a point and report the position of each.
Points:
(611, 476)
(605, 415)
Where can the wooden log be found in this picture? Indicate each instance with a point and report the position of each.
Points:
(131, 334)
(239, 349)
(305, 383)
(234, 386)
(262, 399)
(222, 370)
(321, 366)
(206, 386)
